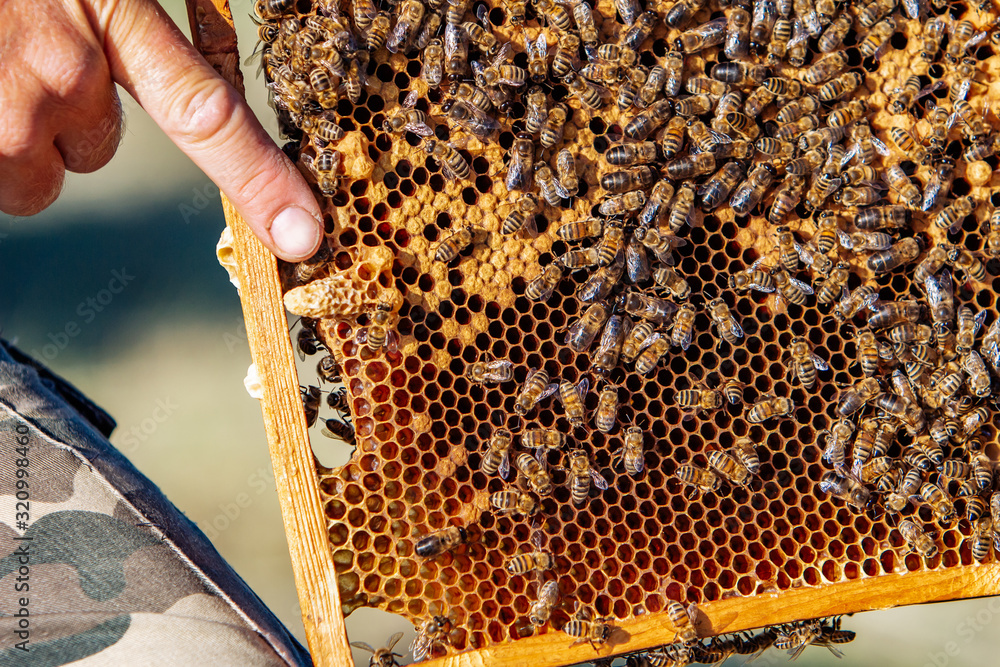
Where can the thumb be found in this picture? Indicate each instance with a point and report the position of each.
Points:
(211, 123)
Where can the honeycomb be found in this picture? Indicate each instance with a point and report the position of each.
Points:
(422, 426)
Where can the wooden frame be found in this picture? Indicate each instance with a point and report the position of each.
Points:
(303, 515)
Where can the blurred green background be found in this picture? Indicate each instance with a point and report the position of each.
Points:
(174, 338)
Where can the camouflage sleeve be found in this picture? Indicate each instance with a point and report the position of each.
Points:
(97, 567)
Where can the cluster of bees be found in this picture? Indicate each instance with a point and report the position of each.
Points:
(779, 129)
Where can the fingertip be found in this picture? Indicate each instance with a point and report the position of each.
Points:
(296, 234)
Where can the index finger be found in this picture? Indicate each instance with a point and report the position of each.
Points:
(211, 123)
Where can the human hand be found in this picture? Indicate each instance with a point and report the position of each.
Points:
(60, 59)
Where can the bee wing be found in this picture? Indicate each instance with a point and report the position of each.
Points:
(819, 362)
(560, 190)
(582, 388)
(504, 468)
(977, 322)
(392, 341)
(366, 647)
(396, 36)
(720, 137)
(420, 129)
(548, 391)
(506, 53)
(362, 336)
(453, 40)
(411, 99)
(597, 479)
(482, 13)
(799, 34)
(845, 239)
(735, 328)
(880, 148)
(541, 46)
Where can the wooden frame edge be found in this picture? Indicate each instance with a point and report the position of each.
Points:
(744, 613)
(214, 35)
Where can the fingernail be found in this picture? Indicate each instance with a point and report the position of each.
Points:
(295, 232)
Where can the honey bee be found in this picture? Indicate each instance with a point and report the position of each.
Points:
(683, 327)
(854, 398)
(497, 456)
(638, 338)
(651, 356)
(536, 109)
(660, 243)
(337, 429)
(325, 166)
(737, 36)
(564, 60)
(555, 123)
(435, 544)
(902, 252)
(377, 335)
(605, 358)
(790, 289)
(705, 139)
(858, 196)
(877, 37)
(566, 167)
(681, 211)
(865, 241)
(272, 9)
(572, 397)
(703, 480)
(982, 544)
(837, 88)
(588, 93)
(838, 437)
(453, 165)
(867, 353)
(472, 119)
(683, 620)
(583, 626)
(805, 363)
(847, 488)
(834, 284)
(752, 279)
(703, 37)
(581, 229)
(542, 286)
(551, 189)
(749, 193)
(909, 486)
(639, 31)
(992, 235)
(917, 540)
(408, 119)
(726, 326)
(905, 142)
(951, 216)
(968, 327)
(582, 333)
(770, 407)
(680, 14)
(963, 260)
(626, 180)
(520, 167)
(541, 610)
(833, 35)
(382, 657)
(456, 242)
(513, 502)
(537, 560)
(650, 88)
(606, 414)
(491, 372)
(979, 378)
(536, 388)
(729, 468)
(456, 52)
(310, 403)
(690, 166)
(738, 73)
(655, 115)
(433, 632)
(538, 480)
(702, 400)
(602, 281)
(524, 208)
(581, 476)
(780, 37)
(667, 278)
